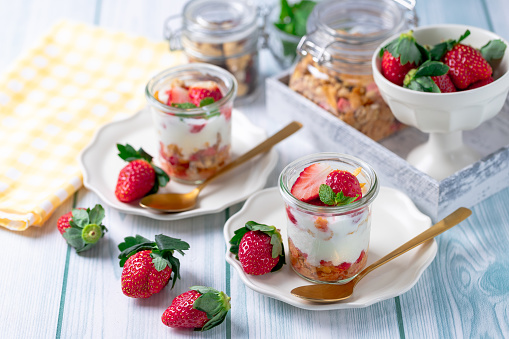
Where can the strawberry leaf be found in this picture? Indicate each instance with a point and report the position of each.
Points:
(236, 239)
(132, 245)
(159, 262)
(73, 238)
(432, 68)
(80, 217)
(438, 51)
(494, 49)
(128, 153)
(165, 243)
(406, 48)
(96, 215)
(214, 303)
(175, 268)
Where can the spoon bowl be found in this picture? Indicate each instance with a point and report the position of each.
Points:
(179, 202)
(327, 293)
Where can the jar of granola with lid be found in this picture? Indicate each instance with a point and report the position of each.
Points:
(334, 70)
(224, 33)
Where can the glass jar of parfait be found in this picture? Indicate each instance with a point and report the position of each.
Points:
(191, 108)
(328, 199)
(334, 66)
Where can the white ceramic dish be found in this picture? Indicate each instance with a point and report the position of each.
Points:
(395, 220)
(100, 165)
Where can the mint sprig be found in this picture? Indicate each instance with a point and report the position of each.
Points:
(275, 240)
(162, 249)
(86, 228)
(129, 153)
(329, 197)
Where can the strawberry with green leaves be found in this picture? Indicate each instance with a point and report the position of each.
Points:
(148, 265)
(431, 76)
(82, 228)
(200, 308)
(140, 176)
(259, 248)
(340, 188)
(467, 65)
(400, 56)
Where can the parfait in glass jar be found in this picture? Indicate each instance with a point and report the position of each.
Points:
(191, 109)
(328, 199)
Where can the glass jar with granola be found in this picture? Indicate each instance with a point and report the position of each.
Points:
(224, 33)
(334, 70)
(191, 108)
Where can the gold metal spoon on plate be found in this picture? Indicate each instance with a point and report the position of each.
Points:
(327, 293)
(179, 202)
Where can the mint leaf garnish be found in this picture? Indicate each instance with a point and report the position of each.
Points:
(206, 101)
(293, 17)
(327, 195)
(184, 105)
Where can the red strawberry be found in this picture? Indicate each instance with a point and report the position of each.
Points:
(177, 95)
(259, 248)
(204, 89)
(444, 83)
(346, 182)
(135, 180)
(481, 83)
(400, 56)
(63, 221)
(82, 228)
(393, 70)
(201, 308)
(147, 265)
(139, 177)
(308, 183)
(466, 65)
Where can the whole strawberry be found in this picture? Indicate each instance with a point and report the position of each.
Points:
(340, 188)
(201, 308)
(466, 65)
(148, 265)
(400, 56)
(139, 177)
(82, 228)
(259, 248)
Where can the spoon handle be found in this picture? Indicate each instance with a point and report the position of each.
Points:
(288, 130)
(443, 225)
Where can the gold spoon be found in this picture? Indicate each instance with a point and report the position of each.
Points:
(327, 293)
(178, 202)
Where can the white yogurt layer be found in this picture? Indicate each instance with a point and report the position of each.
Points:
(343, 241)
(174, 130)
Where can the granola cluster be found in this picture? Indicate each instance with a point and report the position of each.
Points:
(355, 99)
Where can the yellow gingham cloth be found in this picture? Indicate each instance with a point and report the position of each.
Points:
(53, 99)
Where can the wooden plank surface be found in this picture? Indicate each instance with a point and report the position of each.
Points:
(49, 291)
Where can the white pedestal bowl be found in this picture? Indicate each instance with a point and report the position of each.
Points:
(445, 115)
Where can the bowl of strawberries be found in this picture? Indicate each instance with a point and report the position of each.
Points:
(442, 80)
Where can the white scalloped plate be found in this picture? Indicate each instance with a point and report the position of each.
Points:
(100, 165)
(395, 220)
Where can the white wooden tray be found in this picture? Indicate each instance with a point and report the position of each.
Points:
(437, 199)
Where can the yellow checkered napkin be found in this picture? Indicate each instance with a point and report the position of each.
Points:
(53, 99)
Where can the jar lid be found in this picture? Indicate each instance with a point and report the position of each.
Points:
(217, 21)
(343, 34)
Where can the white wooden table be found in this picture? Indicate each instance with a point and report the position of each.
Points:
(47, 290)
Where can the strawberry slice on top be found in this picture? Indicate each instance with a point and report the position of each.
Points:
(177, 95)
(204, 89)
(307, 185)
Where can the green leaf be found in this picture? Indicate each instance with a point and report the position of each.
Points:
(282, 260)
(175, 268)
(326, 194)
(277, 245)
(254, 226)
(236, 239)
(467, 33)
(206, 101)
(80, 217)
(342, 199)
(432, 68)
(428, 84)
(439, 50)
(159, 262)
(132, 245)
(128, 153)
(203, 289)
(184, 105)
(165, 243)
(73, 238)
(215, 304)
(162, 176)
(96, 215)
(494, 49)
(293, 18)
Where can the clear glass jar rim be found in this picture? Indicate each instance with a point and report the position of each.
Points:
(198, 112)
(324, 156)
